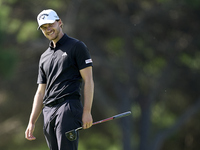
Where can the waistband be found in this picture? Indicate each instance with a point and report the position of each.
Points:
(58, 101)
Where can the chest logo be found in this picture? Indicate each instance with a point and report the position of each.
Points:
(64, 54)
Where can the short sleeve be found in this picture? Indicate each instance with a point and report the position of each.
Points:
(41, 75)
(82, 56)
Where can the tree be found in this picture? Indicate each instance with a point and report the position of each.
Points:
(145, 57)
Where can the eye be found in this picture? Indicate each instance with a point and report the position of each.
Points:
(51, 24)
(43, 28)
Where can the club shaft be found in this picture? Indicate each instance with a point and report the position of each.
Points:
(98, 122)
(122, 115)
(114, 117)
(105, 120)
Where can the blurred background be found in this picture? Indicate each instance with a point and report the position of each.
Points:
(146, 59)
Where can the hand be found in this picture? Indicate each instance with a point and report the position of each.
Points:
(87, 120)
(29, 132)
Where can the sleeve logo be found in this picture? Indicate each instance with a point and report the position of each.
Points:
(88, 61)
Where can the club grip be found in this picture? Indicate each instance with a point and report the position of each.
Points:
(122, 115)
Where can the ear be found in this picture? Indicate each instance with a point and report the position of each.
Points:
(60, 22)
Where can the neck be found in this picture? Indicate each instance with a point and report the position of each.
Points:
(58, 38)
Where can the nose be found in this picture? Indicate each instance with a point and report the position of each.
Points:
(48, 29)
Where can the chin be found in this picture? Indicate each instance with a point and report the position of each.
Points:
(51, 38)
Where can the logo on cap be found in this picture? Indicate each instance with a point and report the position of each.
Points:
(42, 16)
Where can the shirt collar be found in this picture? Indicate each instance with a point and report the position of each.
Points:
(60, 42)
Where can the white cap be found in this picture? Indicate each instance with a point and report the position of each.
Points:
(47, 16)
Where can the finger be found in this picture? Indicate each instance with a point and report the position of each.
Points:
(29, 136)
(84, 126)
(87, 125)
(26, 133)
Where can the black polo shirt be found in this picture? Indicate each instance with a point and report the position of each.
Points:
(59, 69)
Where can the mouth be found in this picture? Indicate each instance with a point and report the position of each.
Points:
(52, 32)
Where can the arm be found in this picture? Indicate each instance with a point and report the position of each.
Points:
(86, 74)
(36, 110)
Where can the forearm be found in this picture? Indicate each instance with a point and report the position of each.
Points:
(88, 95)
(36, 108)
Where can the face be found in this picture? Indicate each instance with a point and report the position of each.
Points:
(52, 31)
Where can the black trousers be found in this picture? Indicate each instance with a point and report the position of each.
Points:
(60, 119)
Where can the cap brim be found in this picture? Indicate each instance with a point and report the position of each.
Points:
(45, 22)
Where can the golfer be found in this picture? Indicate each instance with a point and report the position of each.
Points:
(62, 68)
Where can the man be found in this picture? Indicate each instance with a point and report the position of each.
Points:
(62, 68)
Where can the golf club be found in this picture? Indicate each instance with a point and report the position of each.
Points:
(72, 134)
